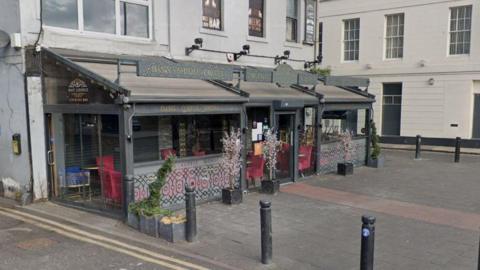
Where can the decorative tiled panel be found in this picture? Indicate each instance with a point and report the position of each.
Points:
(332, 153)
(206, 175)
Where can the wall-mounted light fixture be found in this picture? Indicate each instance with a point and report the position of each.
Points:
(422, 63)
(431, 81)
(198, 44)
(285, 56)
(245, 50)
(309, 64)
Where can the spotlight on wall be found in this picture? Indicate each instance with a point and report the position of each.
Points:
(245, 50)
(285, 56)
(431, 81)
(309, 64)
(198, 44)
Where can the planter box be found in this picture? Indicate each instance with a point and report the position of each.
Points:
(149, 225)
(376, 163)
(270, 186)
(345, 168)
(133, 221)
(172, 232)
(232, 196)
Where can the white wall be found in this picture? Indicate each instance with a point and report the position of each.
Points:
(187, 26)
(428, 110)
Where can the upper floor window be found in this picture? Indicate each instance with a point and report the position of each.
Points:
(351, 39)
(212, 14)
(394, 36)
(256, 15)
(100, 16)
(460, 29)
(292, 20)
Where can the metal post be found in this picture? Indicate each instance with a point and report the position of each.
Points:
(368, 243)
(478, 255)
(458, 142)
(266, 231)
(418, 147)
(191, 213)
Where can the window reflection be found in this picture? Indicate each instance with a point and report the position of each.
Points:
(99, 16)
(60, 13)
(336, 122)
(134, 20)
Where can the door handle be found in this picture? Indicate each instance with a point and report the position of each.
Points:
(50, 160)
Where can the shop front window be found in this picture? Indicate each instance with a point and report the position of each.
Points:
(335, 123)
(307, 136)
(258, 123)
(157, 137)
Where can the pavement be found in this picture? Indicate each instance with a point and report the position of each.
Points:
(428, 217)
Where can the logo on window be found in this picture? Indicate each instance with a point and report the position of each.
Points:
(78, 92)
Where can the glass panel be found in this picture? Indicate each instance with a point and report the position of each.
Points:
(255, 18)
(99, 16)
(157, 137)
(212, 14)
(292, 9)
(61, 13)
(307, 138)
(92, 161)
(291, 31)
(134, 20)
(285, 127)
(258, 123)
(336, 122)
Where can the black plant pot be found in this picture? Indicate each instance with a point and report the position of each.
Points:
(149, 225)
(133, 221)
(345, 168)
(172, 232)
(270, 186)
(379, 162)
(232, 196)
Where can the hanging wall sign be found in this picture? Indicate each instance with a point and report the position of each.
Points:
(77, 92)
(310, 7)
(167, 68)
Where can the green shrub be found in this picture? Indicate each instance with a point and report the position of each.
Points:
(375, 142)
(151, 206)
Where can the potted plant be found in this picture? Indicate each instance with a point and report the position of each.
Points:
(149, 211)
(271, 146)
(376, 158)
(231, 163)
(346, 167)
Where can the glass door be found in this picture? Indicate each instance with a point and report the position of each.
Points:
(84, 159)
(285, 123)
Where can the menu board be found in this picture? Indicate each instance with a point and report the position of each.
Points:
(310, 6)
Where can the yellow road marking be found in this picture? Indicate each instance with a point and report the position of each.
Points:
(68, 230)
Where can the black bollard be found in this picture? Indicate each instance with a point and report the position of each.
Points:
(191, 213)
(266, 231)
(418, 146)
(368, 243)
(458, 142)
(478, 255)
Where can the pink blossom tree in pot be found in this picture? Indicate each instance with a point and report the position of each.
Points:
(346, 142)
(232, 163)
(271, 147)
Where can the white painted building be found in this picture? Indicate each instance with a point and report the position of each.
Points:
(422, 56)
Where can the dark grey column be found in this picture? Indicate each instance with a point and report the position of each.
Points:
(368, 133)
(296, 143)
(243, 128)
(126, 155)
(319, 128)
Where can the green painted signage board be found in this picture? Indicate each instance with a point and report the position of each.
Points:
(167, 68)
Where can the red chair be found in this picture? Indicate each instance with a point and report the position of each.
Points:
(111, 179)
(305, 158)
(283, 158)
(255, 168)
(165, 153)
(199, 153)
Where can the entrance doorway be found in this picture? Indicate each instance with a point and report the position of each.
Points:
(476, 118)
(285, 123)
(392, 109)
(84, 159)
